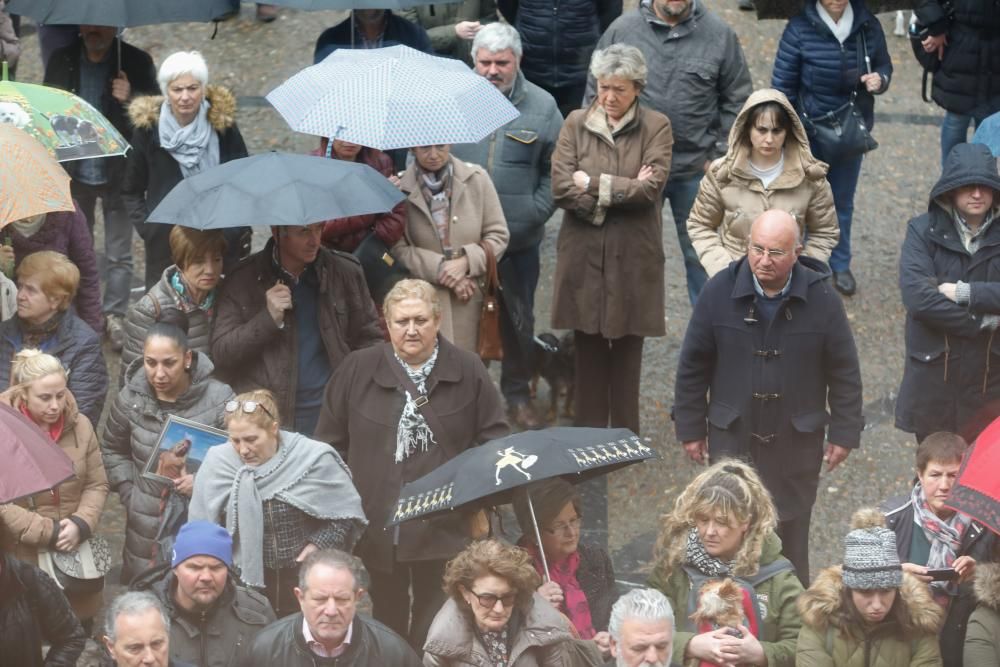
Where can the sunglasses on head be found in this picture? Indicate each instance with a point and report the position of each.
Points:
(247, 407)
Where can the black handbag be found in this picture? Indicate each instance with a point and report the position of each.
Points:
(841, 134)
(382, 270)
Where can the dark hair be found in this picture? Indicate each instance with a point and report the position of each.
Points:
(172, 324)
(941, 446)
(781, 118)
(899, 615)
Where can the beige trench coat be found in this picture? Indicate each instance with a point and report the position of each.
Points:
(609, 261)
(476, 216)
(731, 197)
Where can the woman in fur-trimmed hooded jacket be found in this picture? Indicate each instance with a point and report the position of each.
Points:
(982, 635)
(188, 130)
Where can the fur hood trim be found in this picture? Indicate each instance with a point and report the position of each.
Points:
(821, 605)
(987, 585)
(144, 112)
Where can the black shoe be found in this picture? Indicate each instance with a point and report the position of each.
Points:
(746, 5)
(844, 282)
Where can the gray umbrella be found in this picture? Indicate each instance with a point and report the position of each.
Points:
(276, 189)
(119, 13)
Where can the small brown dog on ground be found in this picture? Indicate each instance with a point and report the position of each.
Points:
(554, 362)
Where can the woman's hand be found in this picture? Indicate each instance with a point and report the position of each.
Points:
(306, 550)
(747, 649)
(467, 29)
(465, 289)
(69, 535)
(872, 81)
(453, 271)
(603, 641)
(966, 568)
(552, 592)
(918, 571)
(395, 180)
(717, 646)
(581, 179)
(184, 485)
(645, 172)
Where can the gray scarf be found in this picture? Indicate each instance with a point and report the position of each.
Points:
(413, 433)
(195, 146)
(306, 474)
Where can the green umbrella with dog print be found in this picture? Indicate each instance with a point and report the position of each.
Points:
(68, 127)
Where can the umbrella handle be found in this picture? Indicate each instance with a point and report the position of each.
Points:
(538, 538)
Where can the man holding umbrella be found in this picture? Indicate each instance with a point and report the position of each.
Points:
(107, 73)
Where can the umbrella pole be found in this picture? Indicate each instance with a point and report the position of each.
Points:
(538, 539)
(352, 28)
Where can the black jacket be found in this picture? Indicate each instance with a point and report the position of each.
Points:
(977, 542)
(63, 71)
(32, 610)
(372, 644)
(397, 31)
(771, 380)
(967, 80)
(559, 36)
(950, 378)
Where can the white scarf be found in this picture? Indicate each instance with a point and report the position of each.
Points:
(841, 29)
(413, 433)
(194, 146)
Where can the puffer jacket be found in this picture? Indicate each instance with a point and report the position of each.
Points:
(833, 636)
(730, 197)
(439, 21)
(219, 637)
(32, 610)
(950, 379)
(967, 80)
(982, 638)
(33, 523)
(77, 347)
(817, 73)
(541, 639)
(559, 37)
(145, 312)
(776, 587)
(130, 435)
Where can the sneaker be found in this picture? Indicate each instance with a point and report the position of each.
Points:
(114, 327)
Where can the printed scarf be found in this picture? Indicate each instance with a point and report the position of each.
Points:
(436, 189)
(413, 433)
(698, 558)
(945, 538)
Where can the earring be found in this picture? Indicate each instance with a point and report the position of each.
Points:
(188, 367)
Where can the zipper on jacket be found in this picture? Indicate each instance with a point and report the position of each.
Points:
(989, 353)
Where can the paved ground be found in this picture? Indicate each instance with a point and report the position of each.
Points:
(252, 59)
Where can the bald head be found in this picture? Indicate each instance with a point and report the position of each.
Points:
(775, 244)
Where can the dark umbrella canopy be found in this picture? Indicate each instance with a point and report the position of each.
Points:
(32, 462)
(977, 490)
(786, 9)
(488, 474)
(120, 13)
(318, 5)
(276, 189)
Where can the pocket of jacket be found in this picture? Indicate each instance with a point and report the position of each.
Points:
(811, 422)
(722, 416)
(519, 147)
(927, 356)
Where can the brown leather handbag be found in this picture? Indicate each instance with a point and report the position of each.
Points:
(490, 347)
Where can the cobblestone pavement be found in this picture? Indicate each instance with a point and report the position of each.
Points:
(252, 59)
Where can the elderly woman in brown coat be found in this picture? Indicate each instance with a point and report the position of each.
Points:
(452, 211)
(373, 414)
(608, 172)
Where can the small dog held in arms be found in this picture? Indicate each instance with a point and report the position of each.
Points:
(554, 362)
(723, 604)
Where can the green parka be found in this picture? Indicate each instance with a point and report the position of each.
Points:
(982, 635)
(779, 619)
(832, 637)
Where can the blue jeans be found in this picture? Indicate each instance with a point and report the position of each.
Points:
(516, 367)
(682, 192)
(843, 178)
(954, 131)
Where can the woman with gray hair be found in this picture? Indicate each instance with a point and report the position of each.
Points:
(188, 130)
(608, 172)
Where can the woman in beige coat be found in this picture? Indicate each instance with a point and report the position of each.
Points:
(769, 165)
(65, 516)
(608, 172)
(451, 208)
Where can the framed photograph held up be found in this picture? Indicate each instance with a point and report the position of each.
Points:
(181, 448)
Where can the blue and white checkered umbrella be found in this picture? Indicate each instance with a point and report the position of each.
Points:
(396, 97)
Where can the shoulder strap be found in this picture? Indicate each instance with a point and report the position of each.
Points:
(491, 281)
(828, 641)
(422, 401)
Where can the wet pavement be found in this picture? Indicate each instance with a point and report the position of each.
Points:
(253, 58)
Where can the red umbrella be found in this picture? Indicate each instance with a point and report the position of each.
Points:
(977, 491)
(31, 461)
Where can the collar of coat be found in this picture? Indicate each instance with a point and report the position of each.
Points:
(462, 173)
(448, 367)
(987, 585)
(805, 273)
(144, 112)
(683, 28)
(597, 121)
(822, 605)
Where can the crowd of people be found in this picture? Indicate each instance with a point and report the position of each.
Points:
(330, 393)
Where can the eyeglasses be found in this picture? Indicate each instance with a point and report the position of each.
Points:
(489, 600)
(568, 528)
(773, 253)
(247, 407)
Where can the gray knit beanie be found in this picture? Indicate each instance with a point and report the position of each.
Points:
(871, 560)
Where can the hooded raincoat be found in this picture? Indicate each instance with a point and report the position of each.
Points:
(731, 197)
